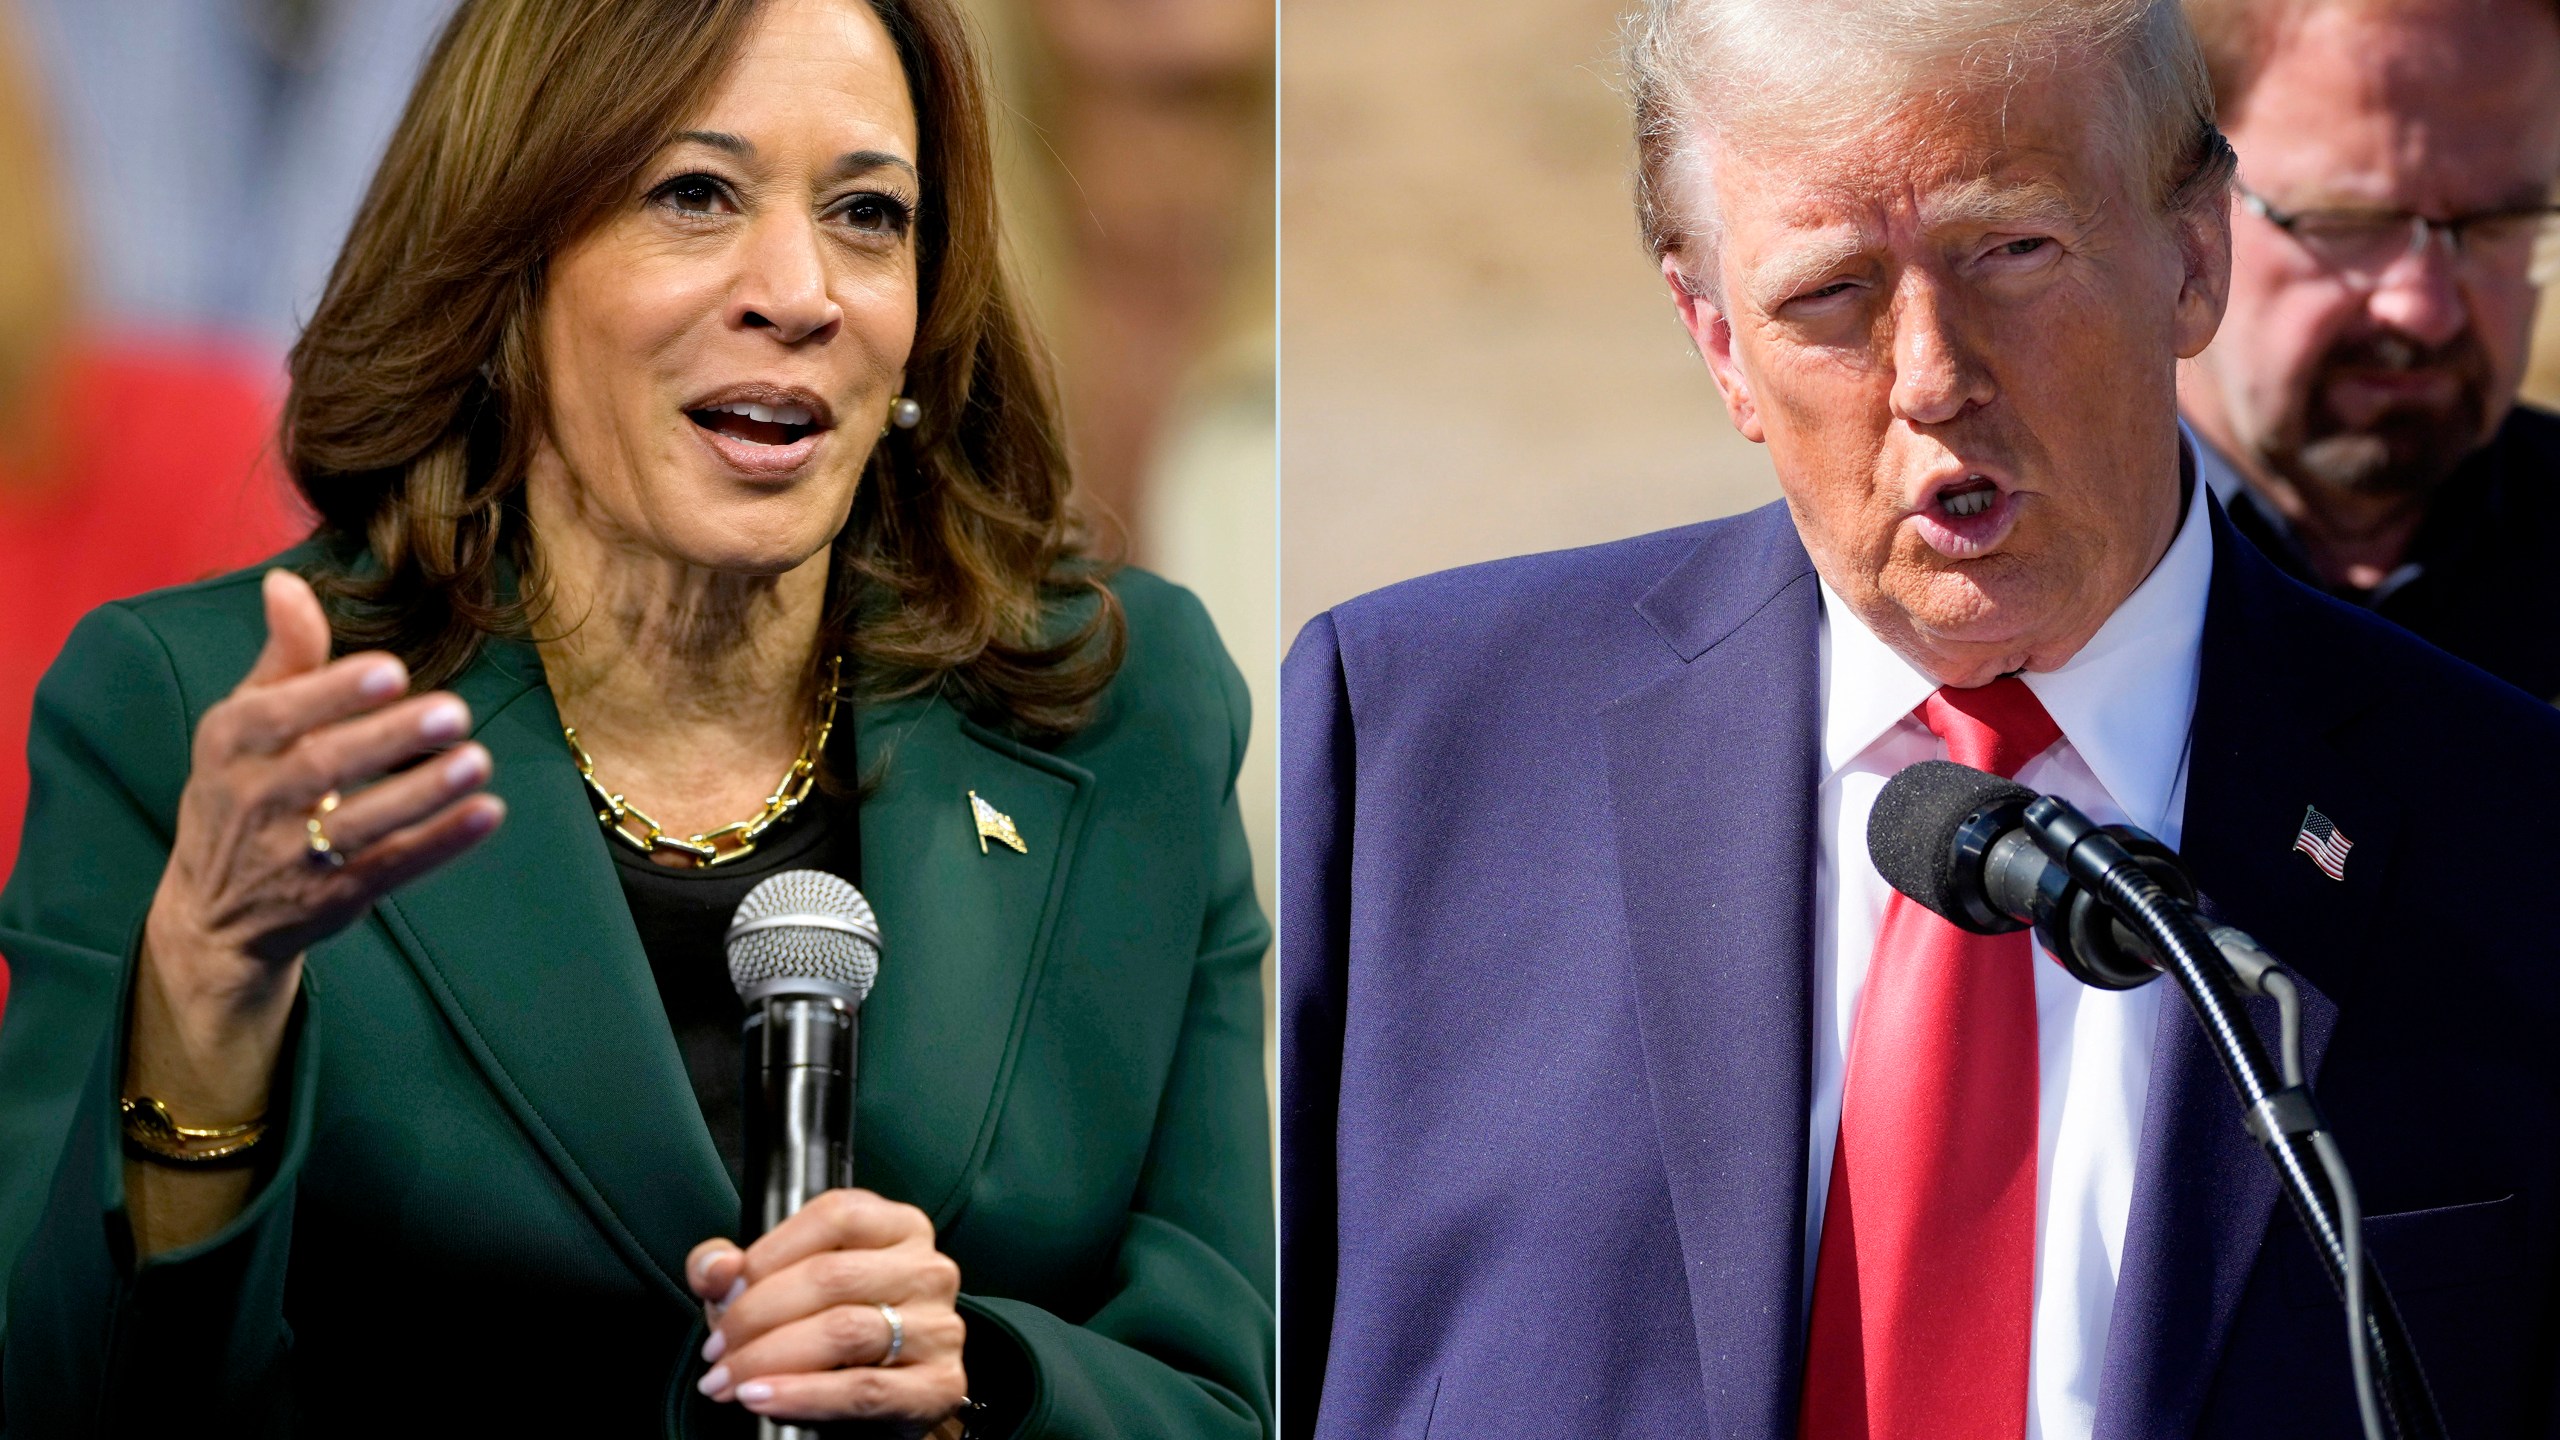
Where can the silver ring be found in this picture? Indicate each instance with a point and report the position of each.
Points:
(897, 1333)
(315, 844)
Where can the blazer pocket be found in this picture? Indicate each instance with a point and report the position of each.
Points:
(2419, 1250)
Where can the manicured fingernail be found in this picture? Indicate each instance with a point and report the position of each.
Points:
(713, 1347)
(714, 1380)
(444, 720)
(467, 767)
(381, 682)
(737, 1288)
(755, 1392)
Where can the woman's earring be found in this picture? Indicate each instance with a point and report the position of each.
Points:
(905, 413)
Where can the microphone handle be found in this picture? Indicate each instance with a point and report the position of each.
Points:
(801, 1043)
(800, 1050)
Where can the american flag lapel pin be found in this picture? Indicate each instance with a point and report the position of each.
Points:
(994, 824)
(2321, 839)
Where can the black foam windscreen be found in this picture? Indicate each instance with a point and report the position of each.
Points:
(1911, 833)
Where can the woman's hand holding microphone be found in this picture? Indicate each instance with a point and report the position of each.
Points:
(845, 1311)
(291, 824)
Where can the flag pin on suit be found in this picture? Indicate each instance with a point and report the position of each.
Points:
(994, 824)
(2321, 839)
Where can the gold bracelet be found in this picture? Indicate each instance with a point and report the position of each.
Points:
(149, 1129)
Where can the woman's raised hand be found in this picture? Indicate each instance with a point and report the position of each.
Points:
(797, 1327)
(247, 890)
(248, 887)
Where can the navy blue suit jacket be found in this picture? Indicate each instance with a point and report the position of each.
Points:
(1546, 960)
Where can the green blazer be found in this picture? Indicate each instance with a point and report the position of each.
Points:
(490, 1165)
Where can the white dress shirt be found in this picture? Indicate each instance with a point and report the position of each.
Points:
(2124, 704)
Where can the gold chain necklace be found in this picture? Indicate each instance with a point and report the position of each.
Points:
(633, 826)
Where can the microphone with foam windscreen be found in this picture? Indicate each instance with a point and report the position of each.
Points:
(1993, 856)
(2118, 909)
(804, 950)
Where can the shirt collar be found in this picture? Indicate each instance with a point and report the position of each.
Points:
(1867, 687)
(2124, 701)
(2218, 474)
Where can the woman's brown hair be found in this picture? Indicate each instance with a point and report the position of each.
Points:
(416, 400)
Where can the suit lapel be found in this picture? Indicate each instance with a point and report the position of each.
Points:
(965, 930)
(1712, 775)
(528, 947)
(2269, 712)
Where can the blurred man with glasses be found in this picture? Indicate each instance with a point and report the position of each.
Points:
(2393, 217)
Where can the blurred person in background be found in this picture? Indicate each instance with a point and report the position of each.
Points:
(669, 386)
(218, 147)
(1137, 163)
(131, 457)
(1144, 157)
(2359, 406)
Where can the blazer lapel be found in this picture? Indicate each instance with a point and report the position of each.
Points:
(965, 928)
(2268, 714)
(528, 947)
(1712, 775)
(2203, 1198)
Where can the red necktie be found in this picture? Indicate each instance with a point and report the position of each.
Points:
(1925, 1279)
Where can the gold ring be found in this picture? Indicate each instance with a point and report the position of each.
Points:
(316, 844)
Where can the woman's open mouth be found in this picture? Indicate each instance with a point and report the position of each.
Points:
(762, 432)
(757, 424)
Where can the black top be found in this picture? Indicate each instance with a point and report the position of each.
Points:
(2478, 577)
(683, 916)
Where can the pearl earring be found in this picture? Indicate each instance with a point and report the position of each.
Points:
(905, 413)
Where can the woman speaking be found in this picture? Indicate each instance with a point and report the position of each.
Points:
(691, 510)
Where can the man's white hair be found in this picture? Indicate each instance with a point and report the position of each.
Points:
(1775, 75)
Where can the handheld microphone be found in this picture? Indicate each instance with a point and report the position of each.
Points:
(804, 950)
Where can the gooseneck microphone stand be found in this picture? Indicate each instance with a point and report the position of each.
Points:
(2281, 1116)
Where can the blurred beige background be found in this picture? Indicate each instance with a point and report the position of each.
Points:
(1480, 360)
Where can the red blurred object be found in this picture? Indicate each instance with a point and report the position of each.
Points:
(168, 474)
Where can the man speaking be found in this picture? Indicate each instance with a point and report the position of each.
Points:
(1623, 1097)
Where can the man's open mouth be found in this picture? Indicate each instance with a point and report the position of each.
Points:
(1970, 496)
(1966, 516)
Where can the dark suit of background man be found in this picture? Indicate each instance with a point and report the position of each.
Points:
(1622, 1098)
(2359, 401)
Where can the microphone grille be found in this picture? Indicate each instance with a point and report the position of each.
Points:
(804, 924)
(1911, 833)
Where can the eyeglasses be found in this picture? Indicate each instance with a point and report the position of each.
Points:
(2360, 245)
